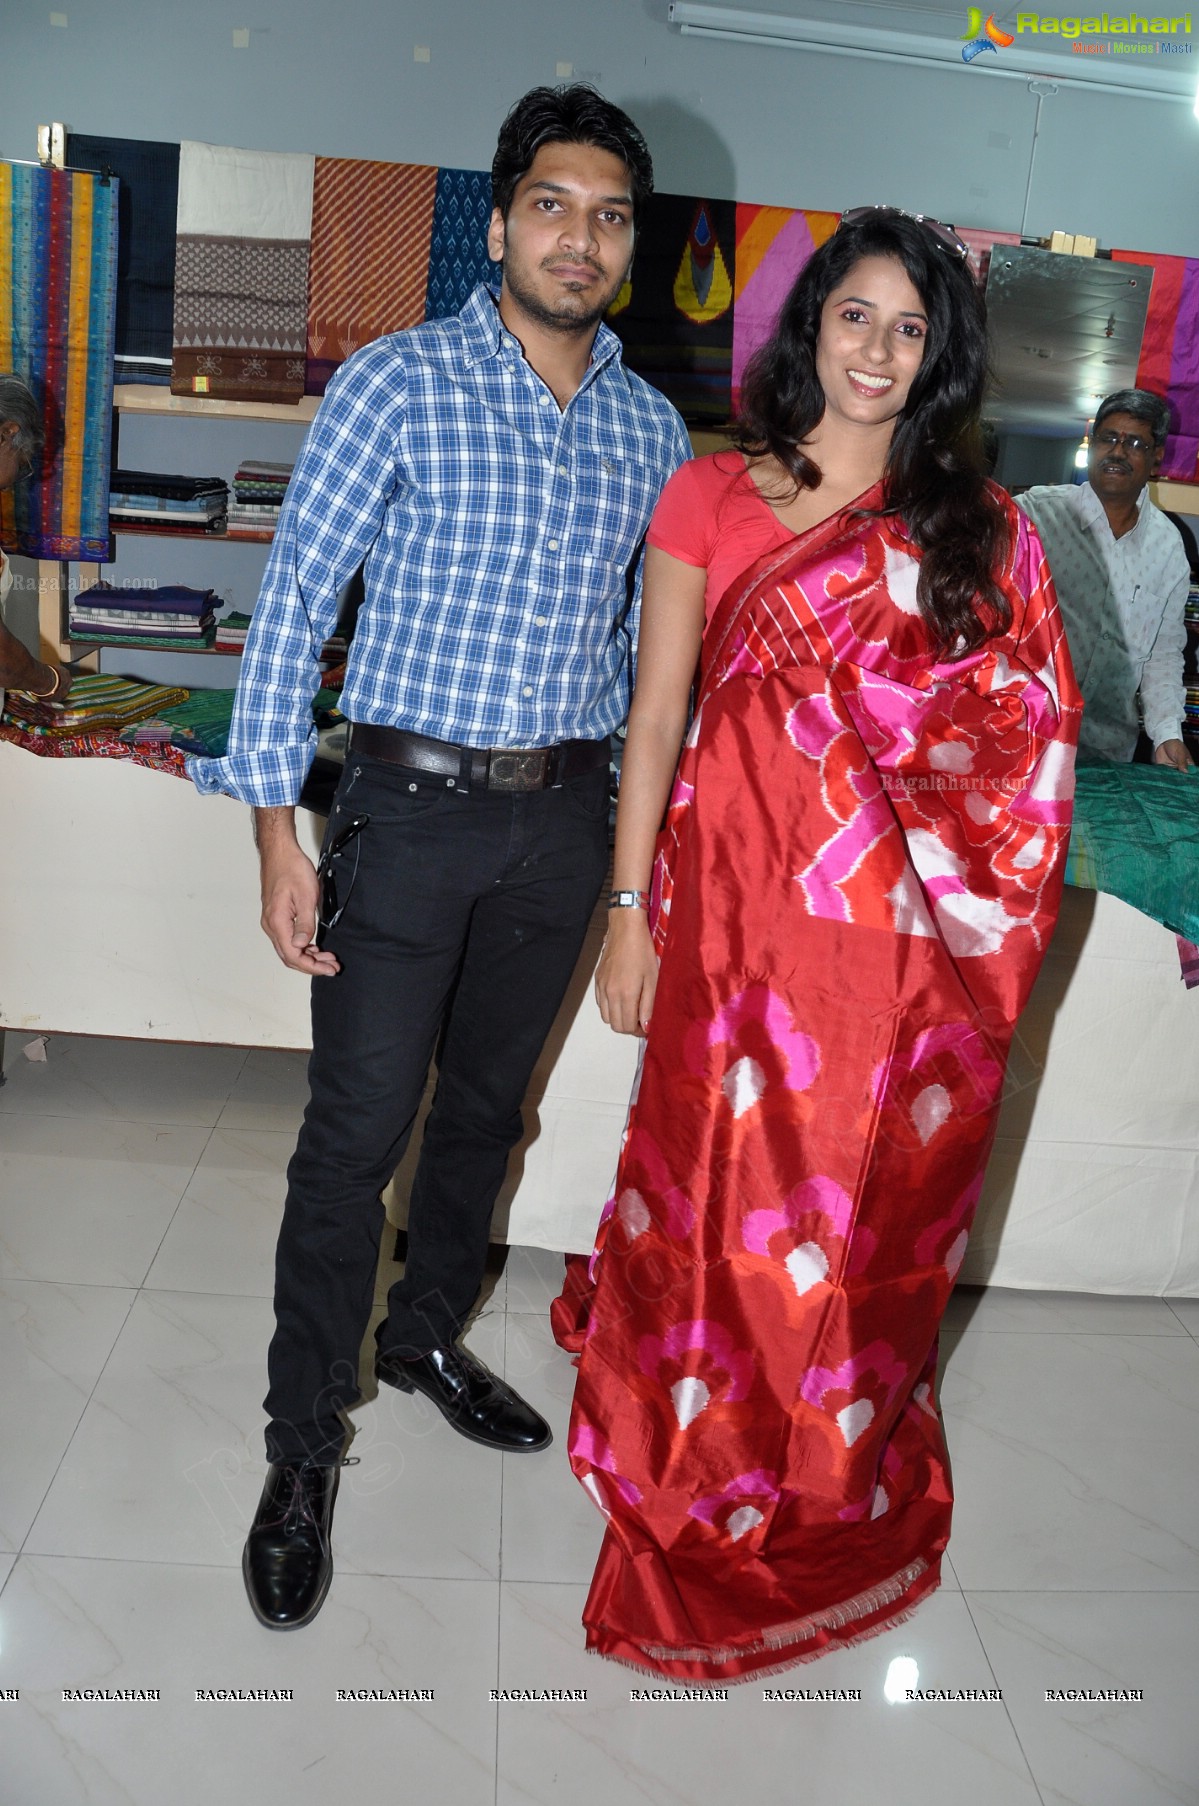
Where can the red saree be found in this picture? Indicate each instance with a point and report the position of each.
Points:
(858, 879)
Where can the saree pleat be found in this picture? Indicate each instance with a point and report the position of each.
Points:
(858, 877)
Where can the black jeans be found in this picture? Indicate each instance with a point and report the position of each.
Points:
(463, 920)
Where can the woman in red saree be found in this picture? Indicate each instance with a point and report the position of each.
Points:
(857, 881)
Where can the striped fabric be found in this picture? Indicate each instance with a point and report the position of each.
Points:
(58, 258)
(369, 265)
(1170, 354)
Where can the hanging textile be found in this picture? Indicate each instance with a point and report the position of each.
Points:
(1169, 363)
(458, 248)
(241, 273)
(58, 259)
(147, 202)
(674, 316)
(371, 229)
(773, 245)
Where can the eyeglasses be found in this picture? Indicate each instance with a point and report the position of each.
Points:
(25, 460)
(1109, 439)
(331, 911)
(945, 236)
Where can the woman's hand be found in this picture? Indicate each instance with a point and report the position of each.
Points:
(627, 975)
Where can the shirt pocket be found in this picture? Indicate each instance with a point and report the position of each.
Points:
(619, 493)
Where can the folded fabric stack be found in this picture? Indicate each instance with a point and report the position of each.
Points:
(168, 616)
(231, 631)
(148, 501)
(95, 704)
(199, 725)
(258, 491)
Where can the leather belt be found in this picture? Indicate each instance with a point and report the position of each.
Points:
(481, 767)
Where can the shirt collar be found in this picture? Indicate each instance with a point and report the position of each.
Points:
(485, 335)
(1096, 513)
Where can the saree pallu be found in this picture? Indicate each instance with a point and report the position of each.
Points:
(58, 260)
(858, 878)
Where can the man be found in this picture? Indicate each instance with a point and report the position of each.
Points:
(496, 471)
(1121, 577)
(21, 439)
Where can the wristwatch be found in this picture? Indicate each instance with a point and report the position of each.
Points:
(628, 899)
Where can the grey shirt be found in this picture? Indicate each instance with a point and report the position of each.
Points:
(1122, 601)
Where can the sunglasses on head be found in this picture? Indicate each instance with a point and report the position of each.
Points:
(945, 236)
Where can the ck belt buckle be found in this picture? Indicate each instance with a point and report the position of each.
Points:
(518, 769)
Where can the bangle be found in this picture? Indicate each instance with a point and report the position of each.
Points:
(45, 695)
(628, 899)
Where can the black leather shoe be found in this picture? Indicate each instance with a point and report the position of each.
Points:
(468, 1397)
(287, 1563)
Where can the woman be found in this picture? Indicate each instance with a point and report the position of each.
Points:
(20, 446)
(857, 881)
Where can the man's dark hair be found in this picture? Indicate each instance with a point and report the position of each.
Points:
(573, 114)
(1143, 405)
(934, 478)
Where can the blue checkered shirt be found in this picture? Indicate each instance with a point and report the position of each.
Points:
(502, 543)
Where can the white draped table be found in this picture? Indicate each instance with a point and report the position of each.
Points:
(129, 907)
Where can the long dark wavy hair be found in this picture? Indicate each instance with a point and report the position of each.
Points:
(934, 478)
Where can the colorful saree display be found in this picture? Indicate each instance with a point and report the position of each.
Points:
(58, 261)
(857, 882)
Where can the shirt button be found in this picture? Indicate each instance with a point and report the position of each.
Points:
(543, 401)
(553, 545)
(541, 620)
(528, 690)
(564, 470)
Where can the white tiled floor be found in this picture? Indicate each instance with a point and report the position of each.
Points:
(140, 1187)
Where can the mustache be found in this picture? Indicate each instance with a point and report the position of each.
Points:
(587, 263)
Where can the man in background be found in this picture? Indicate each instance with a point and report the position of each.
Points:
(493, 474)
(1121, 576)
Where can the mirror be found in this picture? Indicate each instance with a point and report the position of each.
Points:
(1065, 332)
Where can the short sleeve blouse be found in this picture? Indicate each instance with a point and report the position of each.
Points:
(712, 514)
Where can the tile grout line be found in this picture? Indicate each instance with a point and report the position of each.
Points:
(75, 1431)
(1007, 1709)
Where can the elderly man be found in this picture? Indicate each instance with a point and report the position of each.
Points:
(20, 448)
(1121, 576)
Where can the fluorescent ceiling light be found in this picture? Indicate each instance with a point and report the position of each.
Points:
(1112, 76)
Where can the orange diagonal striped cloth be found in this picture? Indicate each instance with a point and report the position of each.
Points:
(371, 225)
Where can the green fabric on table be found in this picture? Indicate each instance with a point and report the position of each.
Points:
(200, 725)
(1136, 836)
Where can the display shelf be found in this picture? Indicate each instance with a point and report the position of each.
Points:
(76, 639)
(237, 539)
(1180, 498)
(148, 398)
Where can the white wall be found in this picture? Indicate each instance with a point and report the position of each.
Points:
(739, 121)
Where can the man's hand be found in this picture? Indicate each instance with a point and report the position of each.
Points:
(1172, 752)
(290, 894)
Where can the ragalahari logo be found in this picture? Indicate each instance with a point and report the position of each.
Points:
(980, 37)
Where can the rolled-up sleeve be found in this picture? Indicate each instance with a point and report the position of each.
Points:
(332, 513)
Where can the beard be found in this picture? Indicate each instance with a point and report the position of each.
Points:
(574, 312)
